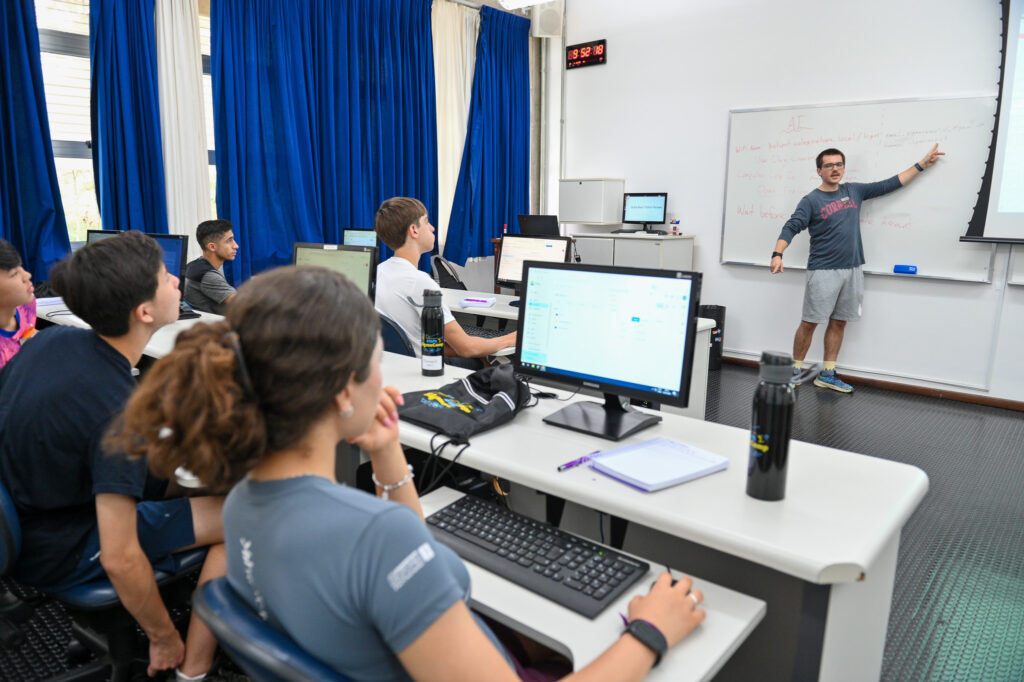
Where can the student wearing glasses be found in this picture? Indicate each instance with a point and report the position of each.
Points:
(260, 401)
(835, 278)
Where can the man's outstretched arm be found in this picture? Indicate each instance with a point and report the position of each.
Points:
(929, 160)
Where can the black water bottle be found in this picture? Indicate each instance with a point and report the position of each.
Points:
(769, 428)
(432, 334)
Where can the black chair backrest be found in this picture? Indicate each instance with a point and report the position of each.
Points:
(445, 274)
(263, 652)
(10, 531)
(394, 337)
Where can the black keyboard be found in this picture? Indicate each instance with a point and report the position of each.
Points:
(578, 574)
(483, 332)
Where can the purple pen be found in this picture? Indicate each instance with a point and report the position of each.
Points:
(577, 462)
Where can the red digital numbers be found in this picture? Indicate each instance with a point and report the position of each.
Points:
(585, 54)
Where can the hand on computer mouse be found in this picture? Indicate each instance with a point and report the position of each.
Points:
(670, 606)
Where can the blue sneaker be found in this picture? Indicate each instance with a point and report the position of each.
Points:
(795, 380)
(828, 379)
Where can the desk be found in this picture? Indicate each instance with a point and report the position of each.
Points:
(698, 382)
(731, 617)
(824, 559)
(160, 344)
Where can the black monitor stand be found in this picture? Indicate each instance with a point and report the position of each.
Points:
(515, 292)
(614, 420)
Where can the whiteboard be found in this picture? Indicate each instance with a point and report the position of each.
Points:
(771, 166)
(1017, 265)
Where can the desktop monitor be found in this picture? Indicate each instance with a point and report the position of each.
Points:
(645, 209)
(93, 236)
(175, 248)
(516, 249)
(626, 332)
(358, 263)
(353, 237)
(539, 225)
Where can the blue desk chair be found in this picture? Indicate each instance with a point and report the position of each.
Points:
(99, 621)
(394, 337)
(263, 652)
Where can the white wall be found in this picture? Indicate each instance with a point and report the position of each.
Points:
(657, 114)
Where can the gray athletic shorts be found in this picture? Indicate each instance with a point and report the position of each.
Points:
(835, 294)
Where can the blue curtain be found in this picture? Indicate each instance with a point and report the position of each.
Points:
(127, 156)
(493, 185)
(31, 213)
(322, 109)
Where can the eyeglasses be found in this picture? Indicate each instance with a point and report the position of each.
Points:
(830, 166)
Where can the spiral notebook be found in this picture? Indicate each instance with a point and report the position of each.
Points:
(657, 463)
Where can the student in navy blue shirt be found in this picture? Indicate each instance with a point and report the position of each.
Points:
(835, 278)
(263, 398)
(87, 511)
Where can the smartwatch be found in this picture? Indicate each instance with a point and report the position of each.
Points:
(919, 168)
(776, 253)
(650, 637)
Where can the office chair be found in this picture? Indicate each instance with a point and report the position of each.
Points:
(99, 623)
(263, 652)
(444, 274)
(394, 337)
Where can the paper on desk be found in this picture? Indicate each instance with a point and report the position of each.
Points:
(657, 463)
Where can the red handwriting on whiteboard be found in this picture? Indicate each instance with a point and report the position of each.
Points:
(771, 213)
(745, 209)
(796, 124)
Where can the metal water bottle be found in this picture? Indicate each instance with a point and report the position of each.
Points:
(432, 334)
(770, 425)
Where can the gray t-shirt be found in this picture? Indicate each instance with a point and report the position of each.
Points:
(354, 579)
(833, 221)
(211, 292)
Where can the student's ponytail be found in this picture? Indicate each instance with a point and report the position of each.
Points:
(193, 411)
(232, 392)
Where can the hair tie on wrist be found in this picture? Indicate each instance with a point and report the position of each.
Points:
(242, 372)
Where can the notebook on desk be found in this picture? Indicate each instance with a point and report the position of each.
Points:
(657, 464)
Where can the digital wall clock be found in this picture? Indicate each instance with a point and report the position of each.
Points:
(586, 54)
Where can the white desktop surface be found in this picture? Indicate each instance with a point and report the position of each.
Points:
(731, 616)
(635, 235)
(840, 512)
(501, 308)
(160, 344)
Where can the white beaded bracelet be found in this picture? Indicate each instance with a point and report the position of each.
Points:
(385, 489)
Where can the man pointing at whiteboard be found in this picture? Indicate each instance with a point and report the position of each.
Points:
(835, 278)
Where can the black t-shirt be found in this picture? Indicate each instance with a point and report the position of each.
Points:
(57, 397)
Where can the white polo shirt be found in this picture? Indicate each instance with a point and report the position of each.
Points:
(398, 279)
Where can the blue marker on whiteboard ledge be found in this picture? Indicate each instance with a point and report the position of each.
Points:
(905, 269)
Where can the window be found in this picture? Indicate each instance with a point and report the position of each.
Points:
(63, 39)
(64, 44)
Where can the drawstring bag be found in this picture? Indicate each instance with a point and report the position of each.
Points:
(484, 399)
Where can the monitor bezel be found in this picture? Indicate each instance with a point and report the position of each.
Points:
(184, 253)
(514, 284)
(610, 387)
(107, 233)
(371, 291)
(534, 218)
(664, 210)
(346, 230)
